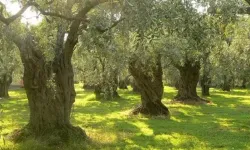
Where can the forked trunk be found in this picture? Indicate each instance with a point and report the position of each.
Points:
(189, 77)
(5, 81)
(50, 91)
(151, 88)
(49, 84)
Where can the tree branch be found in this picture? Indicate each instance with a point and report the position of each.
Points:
(101, 31)
(7, 21)
(84, 11)
(248, 1)
(74, 27)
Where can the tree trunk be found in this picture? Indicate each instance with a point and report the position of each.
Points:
(151, 88)
(5, 81)
(51, 94)
(189, 77)
(123, 84)
(50, 91)
(135, 86)
(226, 84)
(205, 85)
(244, 83)
(88, 87)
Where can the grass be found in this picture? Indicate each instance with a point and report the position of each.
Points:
(225, 124)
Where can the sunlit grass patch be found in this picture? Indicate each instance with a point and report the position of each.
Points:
(223, 125)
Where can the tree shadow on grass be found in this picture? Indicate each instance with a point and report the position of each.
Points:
(223, 125)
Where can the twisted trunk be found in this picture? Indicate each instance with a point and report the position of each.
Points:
(151, 88)
(50, 91)
(49, 84)
(5, 81)
(189, 77)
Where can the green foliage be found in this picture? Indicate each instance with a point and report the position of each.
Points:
(231, 56)
(9, 58)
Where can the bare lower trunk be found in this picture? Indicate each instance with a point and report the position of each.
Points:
(50, 91)
(226, 86)
(51, 94)
(244, 83)
(123, 84)
(205, 85)
(135, 86)
(151, 89)
(88, 87)
(189, 77)
(5, 81)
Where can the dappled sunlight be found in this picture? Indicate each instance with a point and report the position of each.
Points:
(224, 124)
(102, 137)
(181, 140)
(144, 128)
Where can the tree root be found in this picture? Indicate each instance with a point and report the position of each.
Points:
(151, 110)
(196, 100)
(51, 137)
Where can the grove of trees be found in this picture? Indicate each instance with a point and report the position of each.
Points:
(107, 44)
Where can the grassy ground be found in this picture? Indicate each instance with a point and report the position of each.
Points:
(225, 124)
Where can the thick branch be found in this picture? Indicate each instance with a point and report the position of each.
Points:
(7, 21)
(74, 28)
(78, 17)
(248, 1)
(111, 27)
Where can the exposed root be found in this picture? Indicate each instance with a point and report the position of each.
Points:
(191, 100)
(152, 110)
(51, 137)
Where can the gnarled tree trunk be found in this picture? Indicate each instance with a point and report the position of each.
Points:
(49, 84)
(5, 81)
(50, 90)
(189, 77)
(151, 88)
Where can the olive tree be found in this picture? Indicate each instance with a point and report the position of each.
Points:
(9, 61)
(46, 52)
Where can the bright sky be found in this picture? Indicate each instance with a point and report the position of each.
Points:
(28, 17)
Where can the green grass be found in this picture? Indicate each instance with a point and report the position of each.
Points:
(225, 124)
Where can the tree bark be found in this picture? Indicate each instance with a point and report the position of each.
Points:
(88, 87)
(189, 77)
(50, 91)
(205, 85)
(151, 88)
(135, 86)
(226, 86)
(244, 83)
(49, 84)
(5, 81)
